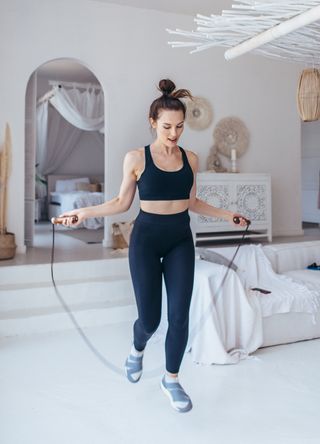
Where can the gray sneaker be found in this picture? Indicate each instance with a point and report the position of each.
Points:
(179, 400)
(133, 368)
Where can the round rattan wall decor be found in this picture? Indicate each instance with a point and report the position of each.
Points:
(199, 113)
(230, 133)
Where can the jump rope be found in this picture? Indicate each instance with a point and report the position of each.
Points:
(114, 368)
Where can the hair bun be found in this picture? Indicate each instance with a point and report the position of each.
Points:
(166, 86)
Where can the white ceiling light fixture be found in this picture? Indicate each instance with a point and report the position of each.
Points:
(277, 29)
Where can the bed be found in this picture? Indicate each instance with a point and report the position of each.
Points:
(67, 192)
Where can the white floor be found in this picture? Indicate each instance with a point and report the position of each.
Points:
(66, 248)
(53, 390)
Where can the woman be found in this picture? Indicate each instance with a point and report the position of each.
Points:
(161, 242)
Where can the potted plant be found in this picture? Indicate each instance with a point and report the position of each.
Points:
(7, 240)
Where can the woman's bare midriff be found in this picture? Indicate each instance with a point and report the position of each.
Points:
(164, 206)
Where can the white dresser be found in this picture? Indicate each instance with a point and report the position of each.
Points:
(247, 194)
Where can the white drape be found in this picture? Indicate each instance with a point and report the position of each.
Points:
(84, 110)
(81, 111)
(62, 138)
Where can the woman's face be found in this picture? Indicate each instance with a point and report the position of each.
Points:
(169, 126)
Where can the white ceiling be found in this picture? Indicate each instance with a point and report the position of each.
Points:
(190, 7)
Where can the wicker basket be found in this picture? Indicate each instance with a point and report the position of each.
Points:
(7, 246)
(308, 95)
(117, 236)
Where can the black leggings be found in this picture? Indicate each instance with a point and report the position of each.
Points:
(166, 236)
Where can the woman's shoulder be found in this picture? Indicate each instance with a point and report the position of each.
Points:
(135, 153)
(192, 156)
(191, 153)
(135, 157)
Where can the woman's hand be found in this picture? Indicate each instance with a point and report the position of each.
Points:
(243, 220)
(79, 212)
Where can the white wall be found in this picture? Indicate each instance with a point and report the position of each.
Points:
(310, 171)
(127, 50)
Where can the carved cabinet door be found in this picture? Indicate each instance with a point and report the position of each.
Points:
(251, 201)
(217, 194)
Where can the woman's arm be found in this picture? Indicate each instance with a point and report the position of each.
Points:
(199, 206)
(119, 204)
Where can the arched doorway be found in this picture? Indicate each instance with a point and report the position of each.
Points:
(67, 164)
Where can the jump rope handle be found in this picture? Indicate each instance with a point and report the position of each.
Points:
(59, 220)
(236, 220)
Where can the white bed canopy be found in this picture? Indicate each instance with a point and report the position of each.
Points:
(278, 29)
(81, 111)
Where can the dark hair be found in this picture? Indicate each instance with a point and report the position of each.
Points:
(170, 99)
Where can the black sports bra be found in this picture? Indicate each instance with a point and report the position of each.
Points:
(157, 184)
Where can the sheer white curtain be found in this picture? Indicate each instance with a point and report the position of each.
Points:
(80, 111)
(84, 110)
(62, 138)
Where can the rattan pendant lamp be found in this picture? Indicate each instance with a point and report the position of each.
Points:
(308, 95)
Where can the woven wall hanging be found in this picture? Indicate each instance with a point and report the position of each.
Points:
(199, 113)
(229, 133)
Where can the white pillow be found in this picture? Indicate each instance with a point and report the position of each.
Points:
(67, 185)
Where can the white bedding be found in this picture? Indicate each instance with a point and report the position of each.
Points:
(78, 199)
(227, 327)
(86, 200)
